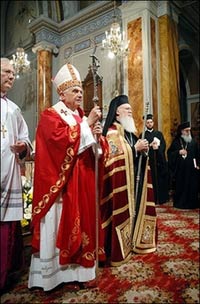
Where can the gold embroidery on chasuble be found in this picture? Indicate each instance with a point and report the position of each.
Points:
(123, 233)
(85, 239)
(85, 242)
(120, 151)
(144, 238)
(64, 253)
(88, 256)
(148, 231)
(74, 132)
(115, 145)
(101, 251)
(72, 238)
(120, 167)
(64, 167)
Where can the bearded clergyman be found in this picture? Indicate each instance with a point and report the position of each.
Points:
(128, 220)
(183, 158)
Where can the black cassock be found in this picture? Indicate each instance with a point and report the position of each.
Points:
(186, 176)
(159, 167)
(131, 138)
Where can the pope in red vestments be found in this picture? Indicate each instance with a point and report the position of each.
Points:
(64, 210)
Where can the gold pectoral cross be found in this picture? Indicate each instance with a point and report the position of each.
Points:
(3, 130)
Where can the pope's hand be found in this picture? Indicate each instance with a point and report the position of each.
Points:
(94, 115)
(97, 129)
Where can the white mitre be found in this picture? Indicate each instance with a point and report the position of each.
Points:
(67, 77)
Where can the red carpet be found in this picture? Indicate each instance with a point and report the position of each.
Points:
(170, 275)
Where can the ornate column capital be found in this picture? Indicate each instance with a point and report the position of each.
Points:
(45, 46)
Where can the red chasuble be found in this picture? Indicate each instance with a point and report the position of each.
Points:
(62, 173)
(117, 203)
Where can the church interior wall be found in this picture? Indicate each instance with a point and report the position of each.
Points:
(74, 38)
(82, 60)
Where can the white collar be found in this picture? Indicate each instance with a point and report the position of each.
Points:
(149, 130)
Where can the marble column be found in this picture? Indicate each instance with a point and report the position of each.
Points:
(169, 75)
(44, 52)
(151, 69)
(141, 66)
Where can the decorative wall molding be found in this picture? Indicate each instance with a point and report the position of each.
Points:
(90, 20)
(130, 9)
(83, 45)
(68, 52)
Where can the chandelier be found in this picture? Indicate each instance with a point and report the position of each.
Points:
(20, 62)
(115, 42)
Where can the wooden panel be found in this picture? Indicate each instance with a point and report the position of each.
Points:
(88, 89)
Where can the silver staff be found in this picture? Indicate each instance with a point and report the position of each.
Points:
(95, 66)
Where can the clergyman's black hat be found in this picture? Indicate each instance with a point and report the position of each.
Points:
(183, 126)
(149, 116)
(114, 104)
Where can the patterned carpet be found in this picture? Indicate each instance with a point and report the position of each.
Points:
(170, 275)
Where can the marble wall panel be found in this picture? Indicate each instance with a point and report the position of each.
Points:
(169, 80)
(135, 71)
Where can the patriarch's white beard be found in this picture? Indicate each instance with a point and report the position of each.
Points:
(187, 138)
(128, 124)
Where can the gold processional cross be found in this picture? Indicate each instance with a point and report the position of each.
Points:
(3, 130)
